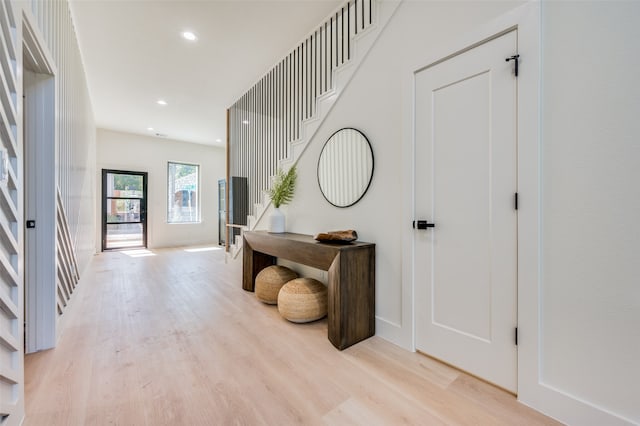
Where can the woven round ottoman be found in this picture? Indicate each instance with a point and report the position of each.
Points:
(303, 300)
(270, 280)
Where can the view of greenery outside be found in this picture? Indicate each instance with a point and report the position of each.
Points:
(127, 182)
(182, 193)
(124, 185)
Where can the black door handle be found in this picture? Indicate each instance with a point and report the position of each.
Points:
(422, 224)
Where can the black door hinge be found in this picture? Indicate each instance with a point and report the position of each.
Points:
(516, 60)
(516, 336)
(516, 200)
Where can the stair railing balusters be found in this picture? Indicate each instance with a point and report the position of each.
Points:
(267, 118)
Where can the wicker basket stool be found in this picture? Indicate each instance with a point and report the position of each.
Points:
(270, 280)
(303, 300)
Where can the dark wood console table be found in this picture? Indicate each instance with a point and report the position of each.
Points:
(351, 278)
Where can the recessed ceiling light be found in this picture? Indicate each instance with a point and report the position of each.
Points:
(150, 129)
(245, 121)
(188, 35)
(161, 102)
(218, 140)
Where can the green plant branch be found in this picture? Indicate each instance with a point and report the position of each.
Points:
(283, 187)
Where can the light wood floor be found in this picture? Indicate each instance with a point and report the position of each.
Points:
(173, 339)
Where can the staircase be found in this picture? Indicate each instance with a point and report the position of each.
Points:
(66, 262)
(272, 124)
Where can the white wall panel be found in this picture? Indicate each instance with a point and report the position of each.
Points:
(75, 156)
(11, 286)
(590, 305)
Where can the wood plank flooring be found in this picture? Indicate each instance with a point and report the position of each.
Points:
(172, 339)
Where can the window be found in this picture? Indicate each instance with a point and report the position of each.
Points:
(182, 190)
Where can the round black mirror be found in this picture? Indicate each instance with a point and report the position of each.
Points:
(345, 167)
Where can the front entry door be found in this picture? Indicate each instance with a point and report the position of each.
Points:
(465, 184)
(124, 209)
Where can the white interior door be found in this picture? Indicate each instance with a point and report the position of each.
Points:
(40, 210)
(465, 183)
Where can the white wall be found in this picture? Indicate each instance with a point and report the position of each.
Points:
(590, 334)
(588, 343)
(125, 151)
(75, 154)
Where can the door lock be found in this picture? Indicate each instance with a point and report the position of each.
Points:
(422, 224)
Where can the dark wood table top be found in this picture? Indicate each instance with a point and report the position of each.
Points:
(300, 248)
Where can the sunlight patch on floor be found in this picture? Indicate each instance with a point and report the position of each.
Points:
(138, 253)
(199, 249)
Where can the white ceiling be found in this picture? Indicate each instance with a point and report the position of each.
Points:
(134, 55)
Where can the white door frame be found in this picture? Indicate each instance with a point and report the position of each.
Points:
(526, 19)
(39, 183)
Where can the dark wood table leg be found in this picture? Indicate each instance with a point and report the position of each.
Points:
(252, 263)
(351, 288)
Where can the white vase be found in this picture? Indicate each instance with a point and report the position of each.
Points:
(276, 221)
